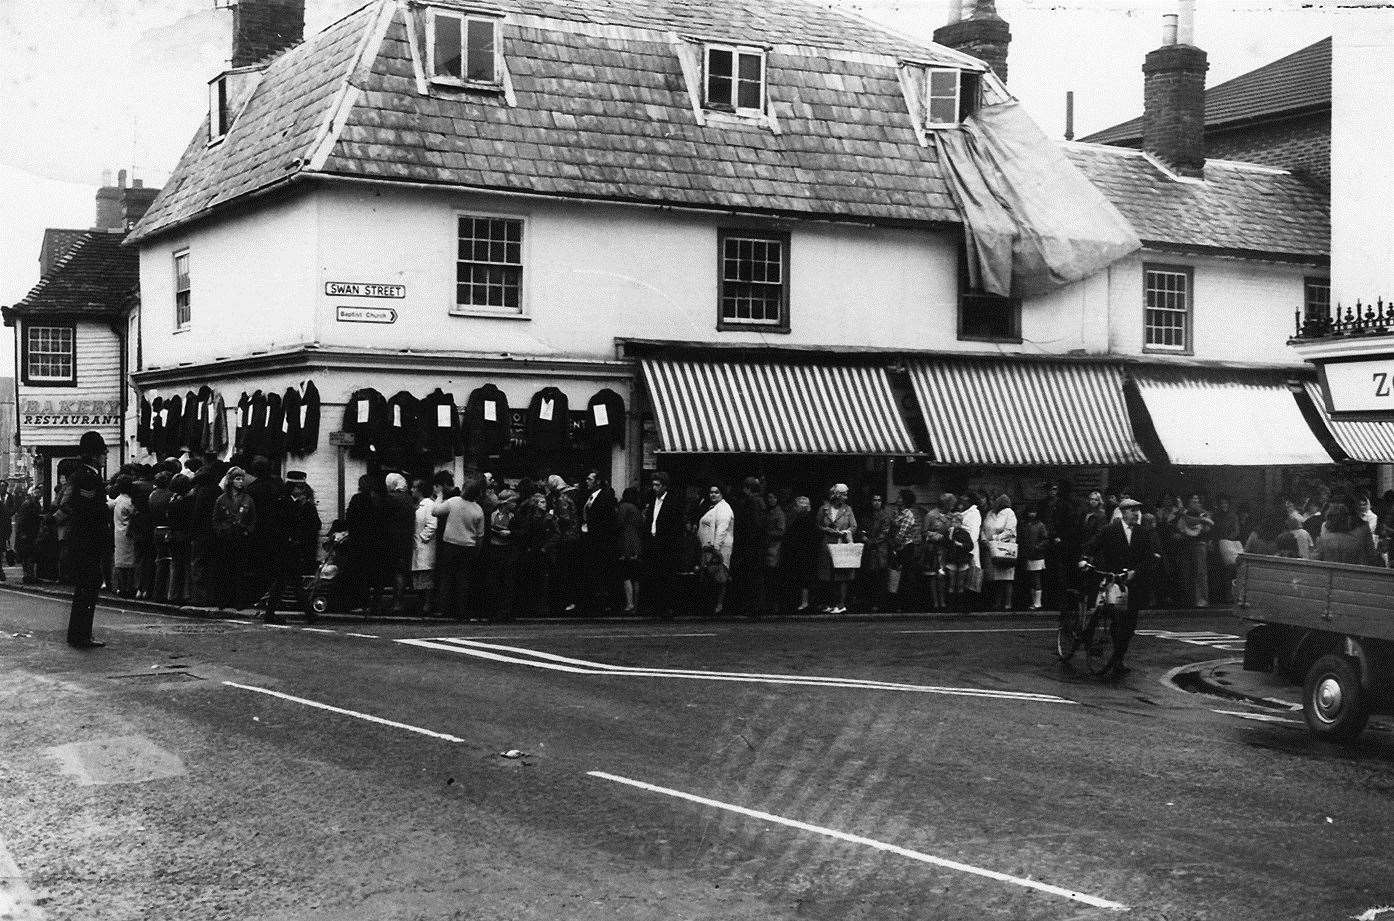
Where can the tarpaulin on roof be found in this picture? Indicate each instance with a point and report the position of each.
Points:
(1032, 221)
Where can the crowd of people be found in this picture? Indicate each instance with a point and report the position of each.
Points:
(232, 534)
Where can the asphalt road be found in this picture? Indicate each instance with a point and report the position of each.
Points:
(945, 769)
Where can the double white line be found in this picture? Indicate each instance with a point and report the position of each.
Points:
(532, 658)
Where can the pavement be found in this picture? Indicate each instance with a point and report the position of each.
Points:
(814, 770)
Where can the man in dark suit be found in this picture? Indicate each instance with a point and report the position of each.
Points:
(748, 550)
(665, 529)
(1125, 545)
(598, 539)
(83, 511)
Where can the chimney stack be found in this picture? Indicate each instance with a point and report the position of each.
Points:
(982, 33)
(262, 28)
(109, 204)
(1173, 96)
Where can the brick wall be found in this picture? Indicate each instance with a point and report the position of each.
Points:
(1299, 144)
(261, 28)
(985, 39)
(1173, 116)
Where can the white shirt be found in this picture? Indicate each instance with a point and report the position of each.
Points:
(657, 506)
(1127, 531)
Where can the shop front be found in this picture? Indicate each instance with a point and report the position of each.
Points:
(50, 428)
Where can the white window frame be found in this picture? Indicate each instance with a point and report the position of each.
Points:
(1188, 314)
(29, 376)
(929, 121)
(464, 18)
(470, 310)
(735, 51)
(219, 118)
(189, 278)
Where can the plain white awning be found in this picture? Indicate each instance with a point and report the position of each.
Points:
(1237, 423)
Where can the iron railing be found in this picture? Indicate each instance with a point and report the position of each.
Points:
(1363, 319)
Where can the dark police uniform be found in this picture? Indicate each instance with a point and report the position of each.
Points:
(83, 510)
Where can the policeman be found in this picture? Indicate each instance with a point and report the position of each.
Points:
(83, 510)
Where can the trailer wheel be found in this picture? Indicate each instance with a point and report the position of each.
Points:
(1333, 702)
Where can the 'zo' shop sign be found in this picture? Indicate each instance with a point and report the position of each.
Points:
(70, 412)
(1360, 386)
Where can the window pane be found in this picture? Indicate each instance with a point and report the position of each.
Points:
(489, 273)
(750, 67)
(481, 51)
(719, 63)
(749, 95)
(447, 49)
(943, 111)
(943, 82)
(718, 91)
(752, 271)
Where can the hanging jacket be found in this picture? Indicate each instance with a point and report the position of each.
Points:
(439, 425)
(217, 425)
(365, 415)
(309, 420)
(143, 425)
(203, 419)
(188, 424)
(402, 440)
(548, 423)
(605, 420)
(273, 439)
(173, 417)
(290, 406)
(244, 418)
(254, 441)
(157, 426)
(486, 421)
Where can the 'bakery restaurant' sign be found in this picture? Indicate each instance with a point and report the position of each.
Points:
(71, 412)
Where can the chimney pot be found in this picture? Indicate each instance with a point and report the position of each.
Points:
(1186, 22)
(1169, 29)
(984, 35)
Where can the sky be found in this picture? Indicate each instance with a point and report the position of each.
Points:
(94, 85)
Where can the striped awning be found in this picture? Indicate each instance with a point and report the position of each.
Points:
(1215, 421)
(773, 407)
(1367, 442)
(1025, 413)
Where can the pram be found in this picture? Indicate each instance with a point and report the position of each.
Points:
(325, 589)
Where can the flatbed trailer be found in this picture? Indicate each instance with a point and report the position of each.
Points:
(1329, 626)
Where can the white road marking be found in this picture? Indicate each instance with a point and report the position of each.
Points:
(988, 630)
(317, 630)
(16, 898)
(354, 713)
(363, 636)
(1260, 717)
(867, 842)
(590, 636)
(533, 658)
(278, 626)
(1222, 641)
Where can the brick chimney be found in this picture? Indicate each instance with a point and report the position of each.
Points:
(262, 28)
(109, 203)
(135, 201)
(1173, 97)
(982, 33)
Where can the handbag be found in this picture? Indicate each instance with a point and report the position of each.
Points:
(1229, 551)
(1002, 550)
(713, 569)
(846, 556)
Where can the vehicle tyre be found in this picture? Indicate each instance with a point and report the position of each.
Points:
(1334, 704)
(319, 604)
(1067, 635)
(1098, 649)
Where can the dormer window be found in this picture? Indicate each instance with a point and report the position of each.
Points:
(219, 119)
(735, 79)
(951, 95)
(227, 94)
(463, 48)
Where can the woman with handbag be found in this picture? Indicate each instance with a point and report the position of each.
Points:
(716, 536)
(1000, 550)
(904, 547)
(836, 523)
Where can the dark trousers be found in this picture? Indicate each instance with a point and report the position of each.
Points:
(285, 571)
(201, 574)
(87, 580)
(657, 586)
(1124, 626)
(748, 584)
(456, 576)
(566, 572)
(596, 574)
(533, 578)
(500, 581)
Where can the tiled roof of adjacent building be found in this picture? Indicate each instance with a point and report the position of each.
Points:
(94, 278)
(1291, 85)
(1238, 208)
(602, 111)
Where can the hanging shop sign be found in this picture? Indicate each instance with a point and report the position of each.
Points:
(363, 289)
(71, 412)
(342, 439)
(365, 315)
(1365, 386)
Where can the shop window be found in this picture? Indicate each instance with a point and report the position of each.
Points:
(489, 266)
(1167, 308)
(183, 306)
(50, 355)
(1316, 298)
(735, 79)
(754, 281)
(463, 48)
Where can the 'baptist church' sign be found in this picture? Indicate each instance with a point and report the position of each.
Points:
(71, 412)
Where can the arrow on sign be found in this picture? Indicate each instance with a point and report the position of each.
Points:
(366, 315)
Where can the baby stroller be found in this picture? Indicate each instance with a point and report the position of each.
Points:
(325, 589)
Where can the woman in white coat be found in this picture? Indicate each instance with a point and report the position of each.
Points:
(423, 554)
(716, 534)
(1000, 526)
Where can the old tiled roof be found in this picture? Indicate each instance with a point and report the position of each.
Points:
(1297, 83)
(57, 241)
(602, 111)
(1239, 207)
(94, 278)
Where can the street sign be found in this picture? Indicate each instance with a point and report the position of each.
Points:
(343, 439)
(363, 289)
(365, 315)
